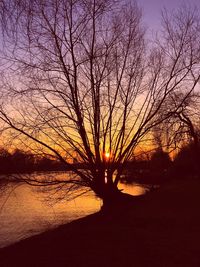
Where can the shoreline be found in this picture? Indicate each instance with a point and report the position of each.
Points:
(160, 228)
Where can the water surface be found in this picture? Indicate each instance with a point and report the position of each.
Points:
(25, 213)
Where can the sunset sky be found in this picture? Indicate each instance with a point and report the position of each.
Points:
(152, 10)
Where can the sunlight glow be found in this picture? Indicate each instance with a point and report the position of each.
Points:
(107, 155)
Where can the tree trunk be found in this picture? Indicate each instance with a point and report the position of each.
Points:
(105, 189)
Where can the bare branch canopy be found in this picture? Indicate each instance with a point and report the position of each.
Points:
(80, 82)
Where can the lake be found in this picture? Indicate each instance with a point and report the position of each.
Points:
(24, 212)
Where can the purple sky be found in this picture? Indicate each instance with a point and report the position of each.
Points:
(152, 8)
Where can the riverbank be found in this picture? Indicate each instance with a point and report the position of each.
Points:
(159, 229)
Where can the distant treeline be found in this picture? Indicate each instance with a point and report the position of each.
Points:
(23, 162)
(160, 168)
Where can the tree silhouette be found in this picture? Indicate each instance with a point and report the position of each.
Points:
(81, 85)
(5, 160)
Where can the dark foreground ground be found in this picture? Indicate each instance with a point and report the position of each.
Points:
(160, 229)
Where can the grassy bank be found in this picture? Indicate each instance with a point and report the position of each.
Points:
(159, 229)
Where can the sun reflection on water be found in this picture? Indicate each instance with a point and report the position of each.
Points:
(25, 214)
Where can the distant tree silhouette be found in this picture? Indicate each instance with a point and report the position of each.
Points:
(160, 160)
(5, 160)
(186, 162)
(83, 85)
(154, 170)
(184, 129)
(20, 161)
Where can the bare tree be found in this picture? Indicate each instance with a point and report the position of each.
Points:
(81, 85)
(187, 119)
(182, 105)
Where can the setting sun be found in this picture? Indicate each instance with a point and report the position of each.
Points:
(107, 155)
